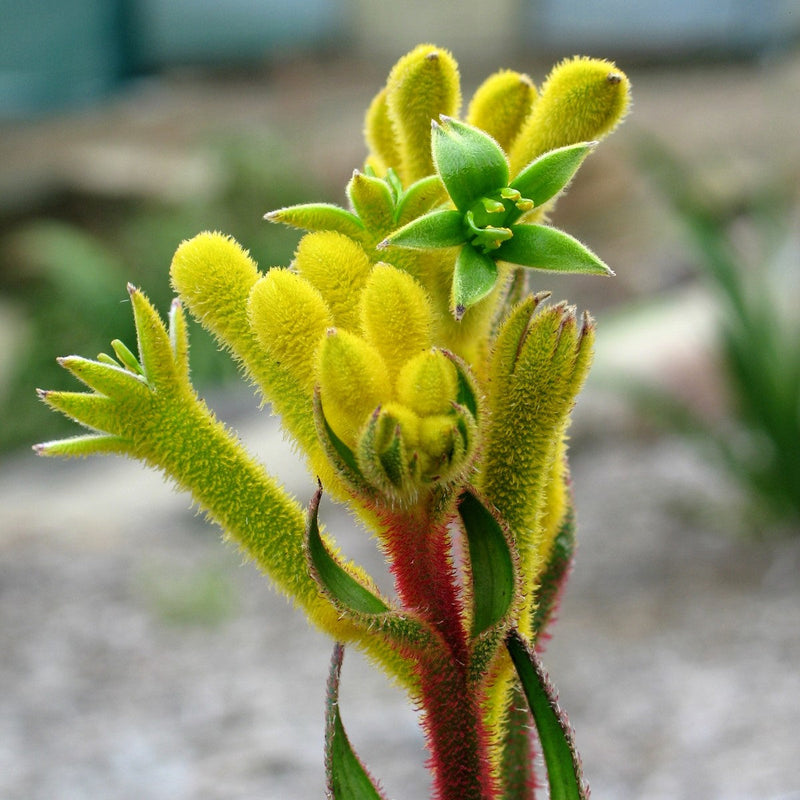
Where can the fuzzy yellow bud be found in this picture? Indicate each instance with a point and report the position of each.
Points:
(339, 268)
(428, 383)
(290, 319)
(213, 274)
(395, 315)
(380, 136)
(501, 105)
(583, 99)
(353, 382)
(422, 85)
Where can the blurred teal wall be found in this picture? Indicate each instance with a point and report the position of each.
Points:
(58, 53)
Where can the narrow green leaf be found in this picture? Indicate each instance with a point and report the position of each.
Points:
(470, 163)
(431, 231)
(543, 247)
(474, 277)
(337, 582)
(491, 562)
(564, 773)
(346, 776)
(547, 175)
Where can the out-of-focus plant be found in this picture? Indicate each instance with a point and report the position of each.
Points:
(427, 393)
(79, 252)
(748, 255)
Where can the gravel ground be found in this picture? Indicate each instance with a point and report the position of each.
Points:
(140, 658)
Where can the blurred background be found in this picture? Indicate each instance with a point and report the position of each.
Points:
(138, 656)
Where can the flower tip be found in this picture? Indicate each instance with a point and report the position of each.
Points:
(383, 244)
(459, 312)
(614, 78)
(131, 289)
(38, 449)
(42, 394)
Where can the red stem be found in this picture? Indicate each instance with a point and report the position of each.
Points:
(420, 552)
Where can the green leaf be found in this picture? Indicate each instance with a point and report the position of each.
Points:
(543, 247)
(435, 230)
(346, 776)
(492, 565)
(470, 163)
(342, 587)
(547, 175)
(474, 277)
(564, 773)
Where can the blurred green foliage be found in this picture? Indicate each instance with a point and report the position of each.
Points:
(747, 250)
(64, 271)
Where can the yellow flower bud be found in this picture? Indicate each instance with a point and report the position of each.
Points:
(339, 268)
(290, 319)
(428, 383)
(582, 100)
(501, 105)
(380, 135)
(353, 382)
(213, 274)
(395, 315)
(422, 85)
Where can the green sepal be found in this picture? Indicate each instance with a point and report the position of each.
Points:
(474, 277)
(470, 163)
(564, 772)
(549, 174)
(347, 778)
(347, 592)
(419, 198)
(491, 564)
(319, 217)
(431, 231)
(547, 248)
(372, 200)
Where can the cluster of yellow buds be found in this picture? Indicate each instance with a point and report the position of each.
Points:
(360, 336)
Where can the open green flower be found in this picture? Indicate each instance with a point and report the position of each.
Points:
(485, 223)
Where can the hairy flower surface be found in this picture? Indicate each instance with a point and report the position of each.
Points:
(425, 390)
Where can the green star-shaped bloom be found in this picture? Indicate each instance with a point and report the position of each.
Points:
(485, 221)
